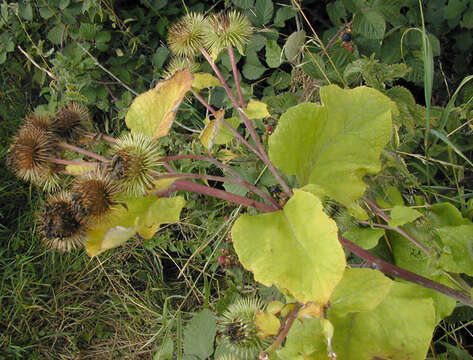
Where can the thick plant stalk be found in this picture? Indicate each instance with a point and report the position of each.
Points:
(101, 136)
(220, 194)
(229, 170)
(248, 124)
(231, 55)
(238, 181)
(393, 270)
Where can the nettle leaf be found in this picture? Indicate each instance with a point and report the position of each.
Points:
(153, 112)
(204, 81)
(359, 290)
(370, 23)
(296, 249)
(332, 146)
(141, 215)
(410, 114)
(399, 328)
(273, 54)
(401, 215)
(199, 335)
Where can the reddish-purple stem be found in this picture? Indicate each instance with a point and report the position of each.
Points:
(393, 270)
(205, 103)
(229, 170)
(289, 320)
(231, 55)
(82, 151)
(238, 181)
(248, 124)
(185, 185)
(102, 136)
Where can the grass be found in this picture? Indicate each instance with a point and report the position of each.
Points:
(122, 305)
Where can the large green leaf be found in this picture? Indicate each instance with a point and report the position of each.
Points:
(141, 215)
(296, 249)
(333, 145)
(359, 290)
(399, 328)
(153, 112)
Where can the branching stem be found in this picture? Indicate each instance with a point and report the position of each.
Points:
(248, 124)
(82, 151)
(185, 185)
(238, 181)
(393, 270)
(227, 169)
(399, 231)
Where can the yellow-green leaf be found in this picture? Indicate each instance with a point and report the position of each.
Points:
(296, 249)
(153, 112)
(332, 146)
(359, 290)
(256, 110)
(137, 215)
(212, 127)
(401, 215)
(204, 80)
(267, 324)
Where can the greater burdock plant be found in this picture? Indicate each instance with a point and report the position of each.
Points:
(341, 299)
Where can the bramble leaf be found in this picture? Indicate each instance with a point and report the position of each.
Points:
(153, 112)
(296, 249)
(334, 145)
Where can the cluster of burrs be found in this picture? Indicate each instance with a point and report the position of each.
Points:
(41, 154)
(195, 34)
